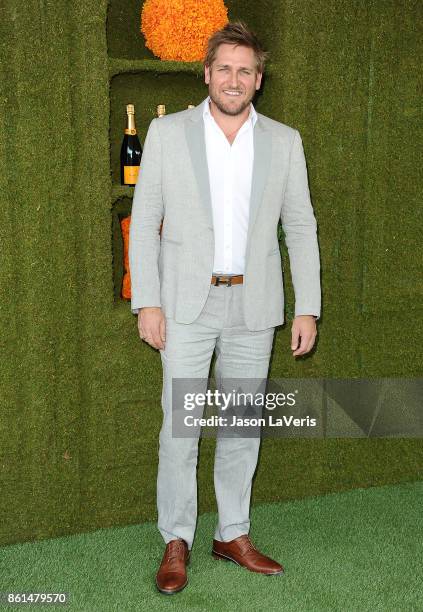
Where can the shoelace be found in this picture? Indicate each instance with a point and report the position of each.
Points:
(175, 549)
(247, 546)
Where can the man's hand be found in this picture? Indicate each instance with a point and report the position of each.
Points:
(304, 328)
(152, 326)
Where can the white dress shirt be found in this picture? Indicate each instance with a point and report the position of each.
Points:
(230, 173)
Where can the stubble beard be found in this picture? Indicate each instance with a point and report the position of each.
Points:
(227, 109)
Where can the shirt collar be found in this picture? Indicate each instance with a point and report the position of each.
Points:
(251, 117)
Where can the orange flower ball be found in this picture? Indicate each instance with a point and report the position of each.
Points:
(179, 29)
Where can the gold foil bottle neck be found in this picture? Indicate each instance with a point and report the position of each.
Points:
(130, 128)
(191, 106)
(161, 110)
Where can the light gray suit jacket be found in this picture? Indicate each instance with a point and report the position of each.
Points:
(174, 272)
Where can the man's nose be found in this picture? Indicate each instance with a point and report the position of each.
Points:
(234, 80)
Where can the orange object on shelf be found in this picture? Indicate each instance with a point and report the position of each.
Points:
(126, 282)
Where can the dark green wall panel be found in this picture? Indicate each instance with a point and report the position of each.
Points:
(80, 394)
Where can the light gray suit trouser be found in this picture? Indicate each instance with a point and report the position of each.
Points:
(241, 353)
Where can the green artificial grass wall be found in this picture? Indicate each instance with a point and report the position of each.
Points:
(80, 394)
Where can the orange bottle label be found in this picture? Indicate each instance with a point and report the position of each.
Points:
(130, 174)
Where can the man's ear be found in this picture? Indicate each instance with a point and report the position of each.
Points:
(207, 71)
(258, 80)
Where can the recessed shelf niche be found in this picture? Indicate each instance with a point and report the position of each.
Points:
(146, 90)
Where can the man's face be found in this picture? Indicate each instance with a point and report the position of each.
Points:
(232, 78)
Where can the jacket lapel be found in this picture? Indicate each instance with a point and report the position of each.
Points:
(261, 167)
(194, 131)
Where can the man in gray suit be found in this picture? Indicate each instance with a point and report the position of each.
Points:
(219, 176)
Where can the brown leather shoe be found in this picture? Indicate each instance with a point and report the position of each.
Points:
(172, 574)
(243, 552)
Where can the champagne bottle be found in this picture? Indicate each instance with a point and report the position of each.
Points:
(131, 151)
(191, 106)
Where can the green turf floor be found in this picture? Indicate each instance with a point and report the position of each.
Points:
(353, 551)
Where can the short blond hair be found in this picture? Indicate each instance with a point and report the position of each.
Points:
(236, 33)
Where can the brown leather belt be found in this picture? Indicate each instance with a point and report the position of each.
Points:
(236, 279)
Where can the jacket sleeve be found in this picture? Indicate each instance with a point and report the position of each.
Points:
(300, 228)
(146, 216)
